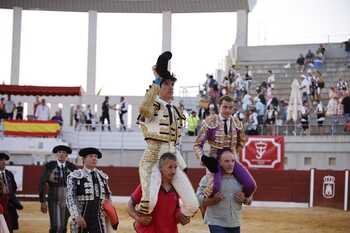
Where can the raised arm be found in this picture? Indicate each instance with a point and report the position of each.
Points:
(146, 108)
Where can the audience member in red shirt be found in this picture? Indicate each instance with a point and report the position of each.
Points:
(166, 214)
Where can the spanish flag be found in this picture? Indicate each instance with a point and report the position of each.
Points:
(31, 128)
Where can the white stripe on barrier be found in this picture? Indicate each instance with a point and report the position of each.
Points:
(346, 190)
(279, 204)
(312, 183)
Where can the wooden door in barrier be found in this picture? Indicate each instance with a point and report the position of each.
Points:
(329, 188)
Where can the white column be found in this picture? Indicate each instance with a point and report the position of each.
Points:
(346, 190)
(91, 64)
(166, 39)
(66, 114)
(242, 28)
(16, 44)
(312, 184)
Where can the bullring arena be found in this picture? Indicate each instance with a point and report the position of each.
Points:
(315, 220)
(291, 97)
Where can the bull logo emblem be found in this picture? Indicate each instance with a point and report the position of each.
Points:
(260, 148)
(328, 190)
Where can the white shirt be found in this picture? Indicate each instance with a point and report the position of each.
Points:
(123, 106)
(61, 164)
(228, 122)
(9, 106)
(306, 86)
(3, 177)
(88, 114)
(271, 80)
(89, 170)
(42, 112)
(253, 121)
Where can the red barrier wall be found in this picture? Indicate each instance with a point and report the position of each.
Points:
(286, 186)
(289, 186)
(123, 180)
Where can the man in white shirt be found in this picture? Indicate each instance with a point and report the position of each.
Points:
(305, 88)
(42, 111)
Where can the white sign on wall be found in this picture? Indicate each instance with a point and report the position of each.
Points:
(18, 174)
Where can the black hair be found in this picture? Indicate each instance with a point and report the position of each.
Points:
(220, 152)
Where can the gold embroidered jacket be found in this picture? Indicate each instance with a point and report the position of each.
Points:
(212, 130)
(155, 121)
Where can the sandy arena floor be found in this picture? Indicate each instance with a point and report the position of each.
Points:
(254, 220)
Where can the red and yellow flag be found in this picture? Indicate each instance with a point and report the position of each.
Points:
(32, 128)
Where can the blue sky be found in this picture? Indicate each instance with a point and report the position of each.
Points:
(54, 44)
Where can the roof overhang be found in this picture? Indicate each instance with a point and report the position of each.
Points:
(40, 90)
(132, 6)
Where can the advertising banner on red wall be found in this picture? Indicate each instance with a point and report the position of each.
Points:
(264, 152)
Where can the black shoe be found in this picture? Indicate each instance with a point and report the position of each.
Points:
(211, 163)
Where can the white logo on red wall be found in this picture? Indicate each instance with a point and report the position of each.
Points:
(328, 189)
(264, 152)
(260, 148)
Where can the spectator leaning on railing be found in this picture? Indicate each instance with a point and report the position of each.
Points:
(58, 118)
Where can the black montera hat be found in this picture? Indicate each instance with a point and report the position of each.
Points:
(162, 66)
(62, 148)
(4, 155)
(90, 150)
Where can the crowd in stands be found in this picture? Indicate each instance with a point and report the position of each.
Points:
(9, 109)
(262, 111)
(90, 120)
(82, 115)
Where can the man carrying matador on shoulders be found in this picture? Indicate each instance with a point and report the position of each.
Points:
(161, 123)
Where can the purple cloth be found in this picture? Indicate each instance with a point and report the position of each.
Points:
(243, 177)
(211, 134)
(217, 180)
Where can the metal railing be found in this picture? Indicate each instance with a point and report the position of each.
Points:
(298, 129)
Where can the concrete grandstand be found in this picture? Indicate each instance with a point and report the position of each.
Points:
(123, 149)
